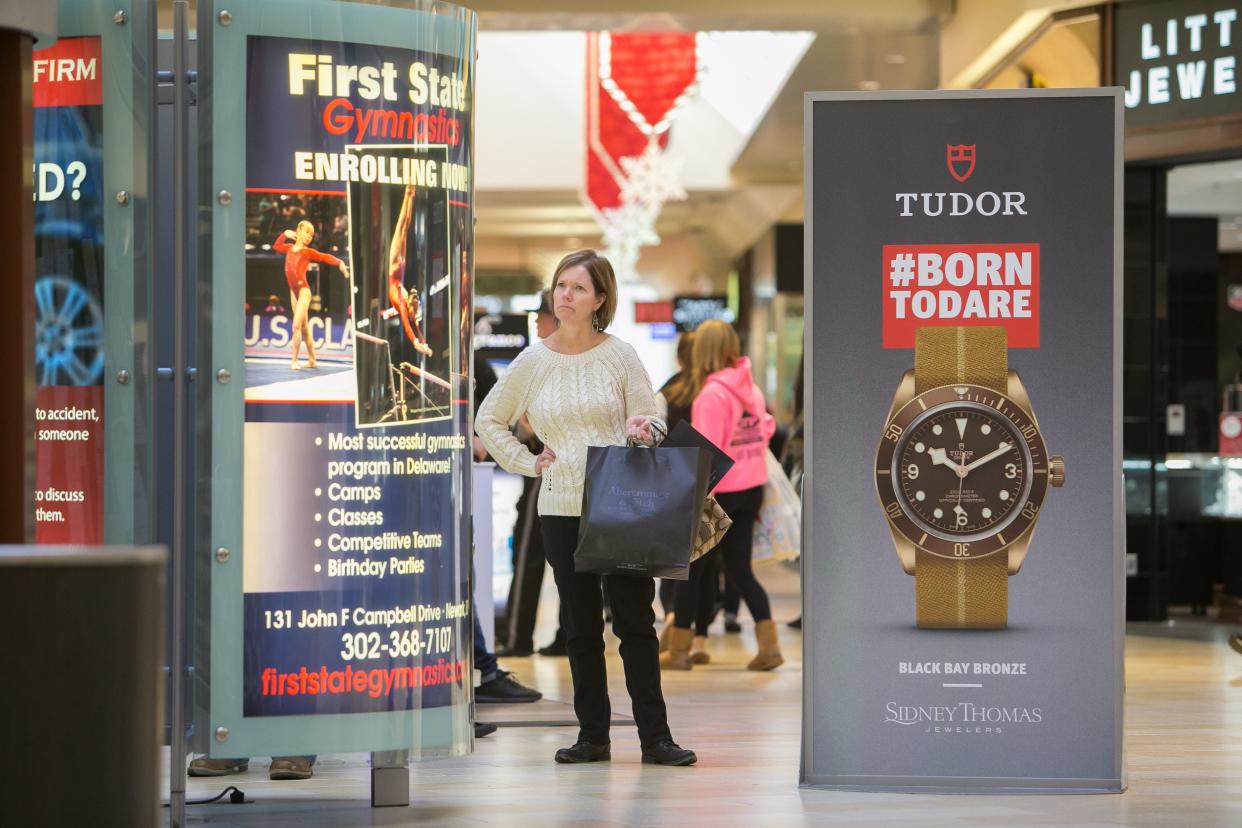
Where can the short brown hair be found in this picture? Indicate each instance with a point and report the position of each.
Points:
(602, 279)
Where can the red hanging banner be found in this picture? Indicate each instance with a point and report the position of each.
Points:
(634, 82)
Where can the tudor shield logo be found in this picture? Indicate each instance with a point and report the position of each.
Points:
(960, 159)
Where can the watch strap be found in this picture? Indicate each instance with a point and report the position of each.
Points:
(970, 593)
(966, 594)
(957, 354)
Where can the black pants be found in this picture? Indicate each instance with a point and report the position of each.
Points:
(730, 598)
(527, 570)
(735, 548)
(633, 620)
(667, 592)
(696, 598)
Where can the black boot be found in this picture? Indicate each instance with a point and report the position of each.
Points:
(584, 752)
(668, 752)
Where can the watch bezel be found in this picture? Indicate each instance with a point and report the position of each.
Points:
(1025, 428)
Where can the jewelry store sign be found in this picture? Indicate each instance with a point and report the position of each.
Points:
(1177, 60)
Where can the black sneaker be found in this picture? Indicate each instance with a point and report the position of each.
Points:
(584, 752)
(482, 729)
(668, 752)
(515, 652)
(731, 625)
(505, 689)
(556, 648)
(795, 624)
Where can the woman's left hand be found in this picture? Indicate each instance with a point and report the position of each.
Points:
(638, 429)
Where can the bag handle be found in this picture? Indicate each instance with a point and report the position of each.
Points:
(656, 429)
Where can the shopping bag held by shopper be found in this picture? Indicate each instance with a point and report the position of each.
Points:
(641, 510)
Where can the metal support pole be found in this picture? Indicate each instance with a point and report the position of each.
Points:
(178, 568)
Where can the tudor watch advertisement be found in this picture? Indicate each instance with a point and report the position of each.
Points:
(961, 464)
(965, 459)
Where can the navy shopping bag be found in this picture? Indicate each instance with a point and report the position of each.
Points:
(641, 509)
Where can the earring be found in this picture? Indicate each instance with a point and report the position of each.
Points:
(595, 321)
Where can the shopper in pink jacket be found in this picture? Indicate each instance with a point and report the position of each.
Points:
(729, 410)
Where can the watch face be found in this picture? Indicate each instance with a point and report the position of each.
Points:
(961, 471)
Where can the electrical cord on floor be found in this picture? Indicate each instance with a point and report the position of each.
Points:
(236, 797)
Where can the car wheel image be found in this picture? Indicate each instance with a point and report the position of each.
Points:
(68, 333)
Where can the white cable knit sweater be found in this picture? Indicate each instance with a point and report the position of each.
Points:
(572, 401)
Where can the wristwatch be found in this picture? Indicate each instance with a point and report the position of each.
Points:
(961, 472)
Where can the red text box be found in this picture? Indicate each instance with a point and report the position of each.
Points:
(69, 468)
(973, 285)
(646, 313)
(68, 73)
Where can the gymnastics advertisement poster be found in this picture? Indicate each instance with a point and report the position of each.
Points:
(358, 234)
(69, 320)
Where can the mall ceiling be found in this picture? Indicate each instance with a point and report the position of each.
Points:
(859, 44)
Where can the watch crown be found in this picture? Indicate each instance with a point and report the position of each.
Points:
(1056, 470)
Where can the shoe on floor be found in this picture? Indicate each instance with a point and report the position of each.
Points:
(217, 767)
(556, 648)
(731, 625)
(1235, 641)
(515, 652)
(505, 689)
(290, 767)
(584, 752)
(482, 729)
(698, 651)
(668, 752)
(677, 657)
(769, 656)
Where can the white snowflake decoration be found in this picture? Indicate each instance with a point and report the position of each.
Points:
(651, 178)
(627, 229)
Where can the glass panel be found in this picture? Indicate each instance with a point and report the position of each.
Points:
(336, 174)
(92, 112)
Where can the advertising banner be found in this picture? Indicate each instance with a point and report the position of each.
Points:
(964, 542)
(346, 621)
(356, 599)
(69, 316)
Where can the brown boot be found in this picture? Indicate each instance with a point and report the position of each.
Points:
(678, 655)
(698, 651)
(769, 656)
(666, 632)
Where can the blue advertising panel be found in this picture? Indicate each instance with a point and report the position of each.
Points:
(352, 506)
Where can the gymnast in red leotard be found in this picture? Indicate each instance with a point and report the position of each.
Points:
(405, 302)
(297, 258)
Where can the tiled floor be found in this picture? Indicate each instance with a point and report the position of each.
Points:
(1184, 741)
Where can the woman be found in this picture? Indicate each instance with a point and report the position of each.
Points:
(729, 410)
(674, 399)
(298, 256)
(582, 387)
(405, 302)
